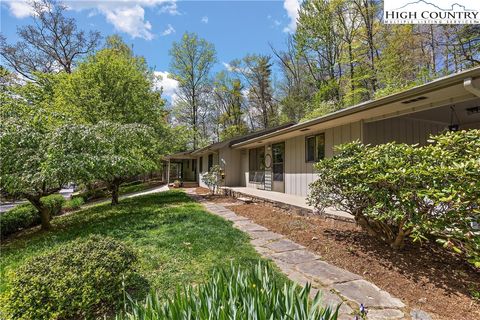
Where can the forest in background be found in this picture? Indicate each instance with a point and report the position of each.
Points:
(341, 54)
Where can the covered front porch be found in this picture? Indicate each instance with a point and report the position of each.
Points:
(284, 200)
(182, 167)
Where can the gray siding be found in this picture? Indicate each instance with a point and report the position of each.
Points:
(401, 130)
(299, 173)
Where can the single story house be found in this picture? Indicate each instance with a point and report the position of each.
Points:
(281, 159)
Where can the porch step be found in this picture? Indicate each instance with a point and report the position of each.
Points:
(188, 184)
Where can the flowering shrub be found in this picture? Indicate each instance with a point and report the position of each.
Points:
(213, 178)
(396, 191)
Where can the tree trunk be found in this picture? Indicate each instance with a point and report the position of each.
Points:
(398, 243)
(114, 187)
(43, 211)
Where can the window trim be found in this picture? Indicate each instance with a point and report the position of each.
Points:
(315, 151)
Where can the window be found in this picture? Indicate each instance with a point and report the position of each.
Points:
(194, 165)
(315, 148)
(210, 161)
(278, 152)
(256, 165)
(200, 169)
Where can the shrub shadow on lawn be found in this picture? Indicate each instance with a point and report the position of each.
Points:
(420, 262)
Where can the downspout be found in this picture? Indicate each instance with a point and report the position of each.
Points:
(468, 85)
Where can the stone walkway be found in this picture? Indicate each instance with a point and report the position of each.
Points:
(301, 265)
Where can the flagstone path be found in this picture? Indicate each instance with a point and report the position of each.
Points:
(301, 265)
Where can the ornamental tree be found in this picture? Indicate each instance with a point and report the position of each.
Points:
(27, 121)
(24, 169)
(108, 151)
(213, 178)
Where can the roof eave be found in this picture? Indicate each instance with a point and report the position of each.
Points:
(421, 89)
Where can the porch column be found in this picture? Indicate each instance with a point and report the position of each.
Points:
(168, 172)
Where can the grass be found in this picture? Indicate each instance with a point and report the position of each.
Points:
(138, 187)
(177, 241)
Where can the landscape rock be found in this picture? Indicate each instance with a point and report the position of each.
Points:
(418, 314)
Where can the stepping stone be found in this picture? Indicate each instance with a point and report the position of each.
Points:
(260, 242)
(263, 251)
(326, 273)
(332, 299)
(385, 314)
(265, 235)
(295, 257)
(287, 268)
(231, 217)
(249, 227)
(283, 245)
(362, 291)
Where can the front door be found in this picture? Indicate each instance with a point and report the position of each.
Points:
(278, 158)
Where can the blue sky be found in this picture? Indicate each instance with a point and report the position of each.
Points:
(234, 27)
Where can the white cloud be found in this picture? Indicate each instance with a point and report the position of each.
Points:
(168, 85)
(291, 6)
(204, 19)
(20, 9)
(130, 20)
(125, 15)
(168, 31)
(170, 8)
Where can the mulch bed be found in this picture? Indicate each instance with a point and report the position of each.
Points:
(423, 276)
(226, 200)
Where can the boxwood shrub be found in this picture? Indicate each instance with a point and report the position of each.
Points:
(54, 203)
(73, 204)
(20, 217)
(79, 280)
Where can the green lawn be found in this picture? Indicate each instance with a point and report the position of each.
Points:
(138, 187)
(177, 241)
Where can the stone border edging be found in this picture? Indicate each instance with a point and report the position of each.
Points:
(301, 266)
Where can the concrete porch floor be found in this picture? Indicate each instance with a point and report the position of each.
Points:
(288, 199)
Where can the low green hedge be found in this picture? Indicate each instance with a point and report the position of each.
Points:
(54, 203)
(73, 204)
(25, 216)
(80, 280)
(92, 194)
(250, 293)
(20, 217)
